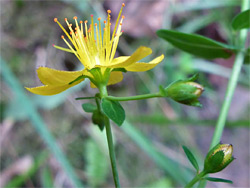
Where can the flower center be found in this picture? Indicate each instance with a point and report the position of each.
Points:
(90, 44)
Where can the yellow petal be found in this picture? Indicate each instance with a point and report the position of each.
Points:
(50, 76)
(114, 78)
(125, 61)
(51, 89)
(140, 67)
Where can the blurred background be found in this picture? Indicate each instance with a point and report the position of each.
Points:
(48, 141)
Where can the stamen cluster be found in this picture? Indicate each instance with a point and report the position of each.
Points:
(91, 45)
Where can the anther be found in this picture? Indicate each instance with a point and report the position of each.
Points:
(53, 45)
(123, 4)
(108, 11)
(70, 25)
(62, 37)
(99, 19)
(91, 15)
(105, 21)
(55, 19)
(74, 17)
(81, 22)
(65, 19)
(95, 24)
(123, 16)
(120, 23)
(86, 21)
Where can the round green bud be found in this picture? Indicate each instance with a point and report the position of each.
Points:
(185, 92)
(218, 158)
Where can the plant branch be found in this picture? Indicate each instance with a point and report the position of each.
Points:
(231, 84)
(137, 97)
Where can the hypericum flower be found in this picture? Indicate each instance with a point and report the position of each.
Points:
(218, 158)
(95, 48)
(185, 91)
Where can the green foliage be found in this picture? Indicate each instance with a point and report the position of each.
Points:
(96, 164)
(47, 177)
(98, 119)
(89, 107)
(191, 158)
(247, 57)
(218, 180)
(241, 21)
(114, 111)
(196, 44)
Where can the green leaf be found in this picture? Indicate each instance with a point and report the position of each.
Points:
(194, 77)
(119, 69)
(191, 158)
(47, 177)
(247, 57)
(162, 91)
(218, 180)
(113, 110)
(242, 20)
(88, 107)
(98, 119)
(196, 44)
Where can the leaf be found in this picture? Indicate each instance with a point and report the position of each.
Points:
(196, 44)
(247, 57)
(162, 91)
(242, 20)
(113, 110)
(191, 158)
(47, 177)
(194, 77)
(88, 107)
(98, 119)
(218, 180)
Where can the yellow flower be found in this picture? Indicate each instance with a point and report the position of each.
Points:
(96, 50)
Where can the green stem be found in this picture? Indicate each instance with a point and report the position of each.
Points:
(230, 88)
(239, 59)
(196, 179)
(137, 97)
(112, 152)
(104, 93)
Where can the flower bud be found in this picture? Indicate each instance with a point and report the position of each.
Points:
(185, 92)
(218, 158)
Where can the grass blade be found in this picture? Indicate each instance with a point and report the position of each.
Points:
(191, 158)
